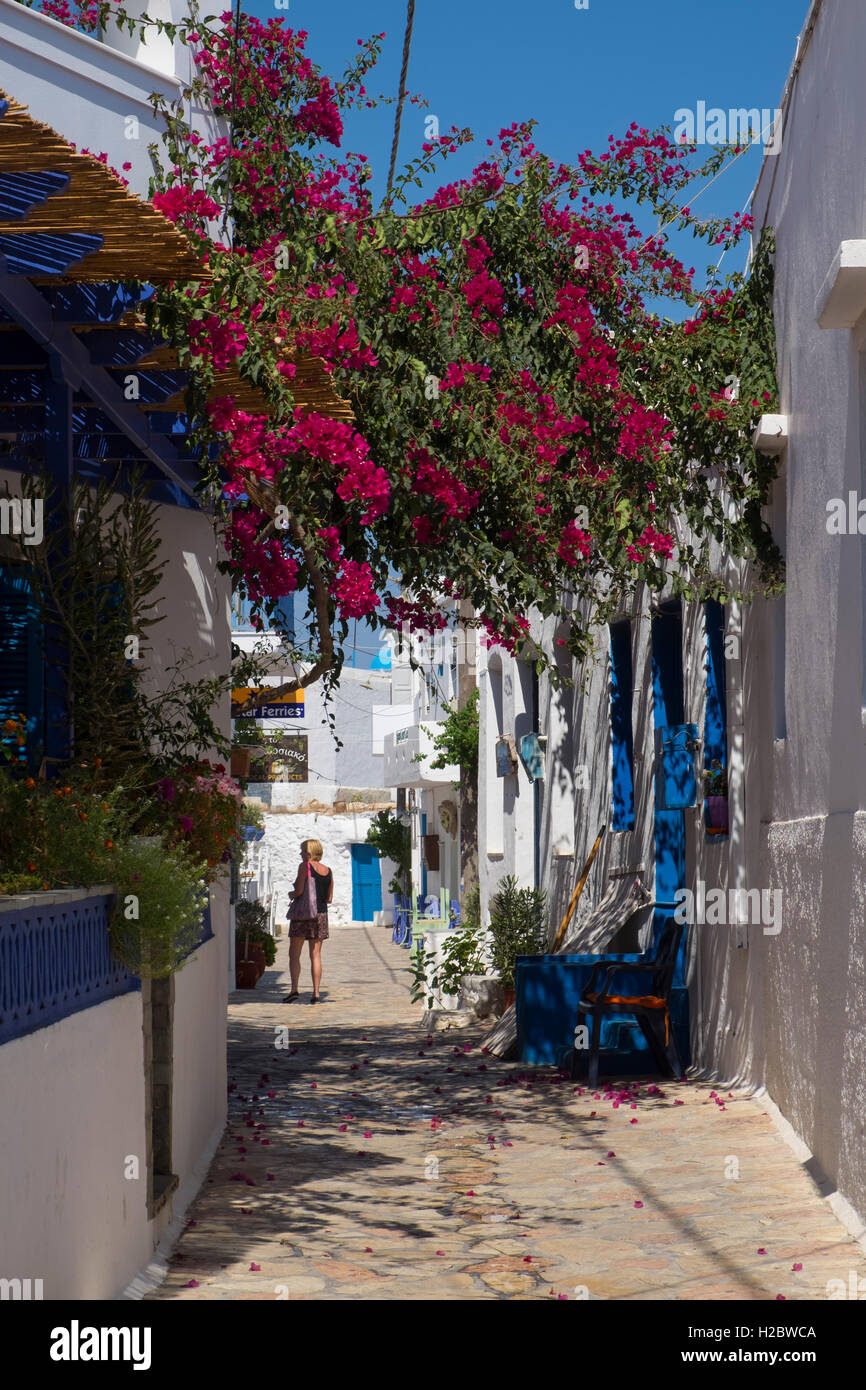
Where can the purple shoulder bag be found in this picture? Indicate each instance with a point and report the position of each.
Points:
(306, 907)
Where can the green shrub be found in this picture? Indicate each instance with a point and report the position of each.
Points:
(251, 925)
(518, 926)
(156, 918)
(391, 838)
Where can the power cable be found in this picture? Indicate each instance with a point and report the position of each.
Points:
(407, 41)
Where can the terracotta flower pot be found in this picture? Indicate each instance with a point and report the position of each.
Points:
(240, 762)
(509, 995)
(257, 954)
(246, 974)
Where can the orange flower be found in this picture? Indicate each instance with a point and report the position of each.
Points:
(29, 782)
(97, 762)
(109, 844)
(82, 815)
(67, 791)
(105, 806)
(31, 867)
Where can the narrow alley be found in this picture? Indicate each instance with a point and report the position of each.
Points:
(365, 1159)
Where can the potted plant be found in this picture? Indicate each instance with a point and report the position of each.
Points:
(251, 934)
(462, 957)
(716, 798)
(518, 927)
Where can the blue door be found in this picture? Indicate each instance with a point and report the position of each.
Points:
(366, 883)
(675, 786)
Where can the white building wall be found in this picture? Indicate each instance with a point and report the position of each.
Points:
(789, 1010)
(284, 834)
(68, 1215)
(95, 93)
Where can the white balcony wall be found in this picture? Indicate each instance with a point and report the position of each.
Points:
(404, 746)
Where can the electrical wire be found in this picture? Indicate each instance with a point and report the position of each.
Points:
(407, 41)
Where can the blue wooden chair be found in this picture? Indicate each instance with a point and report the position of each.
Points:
(402, 933)
(651, 1009)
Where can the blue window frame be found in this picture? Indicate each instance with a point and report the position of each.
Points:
(622, 747)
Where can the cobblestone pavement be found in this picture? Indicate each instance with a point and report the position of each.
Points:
(367, 1159)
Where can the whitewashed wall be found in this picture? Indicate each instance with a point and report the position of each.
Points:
(67, 1213)
(789, 1009)
(284, 834)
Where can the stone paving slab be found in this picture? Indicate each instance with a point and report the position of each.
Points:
(366, 1159)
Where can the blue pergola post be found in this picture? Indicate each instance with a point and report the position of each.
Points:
(58, 469)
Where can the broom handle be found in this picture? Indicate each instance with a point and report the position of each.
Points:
(577, 892)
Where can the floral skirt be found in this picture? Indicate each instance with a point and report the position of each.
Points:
(310, 928)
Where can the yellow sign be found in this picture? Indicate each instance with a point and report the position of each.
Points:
(267, 706)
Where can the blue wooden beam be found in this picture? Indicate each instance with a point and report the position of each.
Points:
(23, 302)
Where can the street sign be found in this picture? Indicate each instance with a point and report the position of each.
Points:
(289, 706)
(289, 763)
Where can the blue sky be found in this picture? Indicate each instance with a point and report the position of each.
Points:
(582, 74)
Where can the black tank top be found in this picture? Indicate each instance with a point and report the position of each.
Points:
(323, 887)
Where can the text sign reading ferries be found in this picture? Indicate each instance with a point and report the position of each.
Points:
(289, 706)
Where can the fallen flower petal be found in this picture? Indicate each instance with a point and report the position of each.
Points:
(254, 1268)
(638, 1204)
(193, 1284)
(796, 1268)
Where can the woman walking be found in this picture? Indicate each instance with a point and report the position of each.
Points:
(312, 929)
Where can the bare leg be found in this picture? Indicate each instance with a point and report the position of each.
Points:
(316, 964)
(296, 946)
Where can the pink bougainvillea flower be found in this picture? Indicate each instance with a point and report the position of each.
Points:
(440, 1252)
(343, 1128)
(254, 1268)
(679, 1102)
(470, 1193)
(368, 1249)
(781, 1298)
(527, 1259)
(611, 1154)
(638, 1204)
(632, 1122)
(300, 1124)
(368, 1134)
(193, 1284)
(761, 1250)
(796, 1268)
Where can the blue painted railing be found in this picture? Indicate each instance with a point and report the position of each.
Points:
(55, 961)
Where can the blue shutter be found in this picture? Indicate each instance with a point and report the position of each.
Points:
(622, 748)
(716, 718)
(676, 782)
(21, 665)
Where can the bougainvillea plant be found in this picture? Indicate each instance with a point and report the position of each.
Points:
(530, 431)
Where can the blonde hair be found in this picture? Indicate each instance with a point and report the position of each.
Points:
(313, 848)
